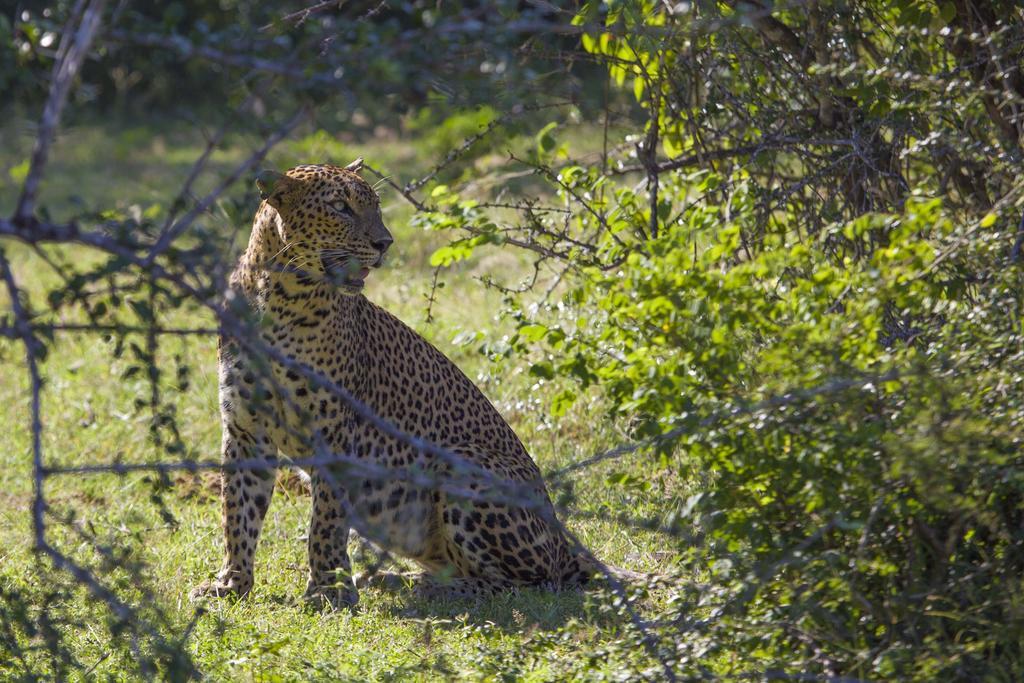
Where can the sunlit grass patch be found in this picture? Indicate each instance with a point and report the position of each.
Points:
(94, 412)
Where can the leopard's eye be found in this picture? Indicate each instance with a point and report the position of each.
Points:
(341, 206)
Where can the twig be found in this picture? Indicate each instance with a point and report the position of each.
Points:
(169, 235)
(65, 69)
(432, 297)
(456, 153)
(197, 168)
(299, 17)
(781, 143)
(409, 196)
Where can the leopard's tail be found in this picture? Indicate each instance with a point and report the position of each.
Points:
(584, 568)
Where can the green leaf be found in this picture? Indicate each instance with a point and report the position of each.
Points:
(545, 141)
(947, 12)
(19, 172)
(532, 333)
(561, 404)
(587, 14)
(673, 144)
(452, 253)
(543, 369)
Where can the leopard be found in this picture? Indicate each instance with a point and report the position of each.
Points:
(403, 407)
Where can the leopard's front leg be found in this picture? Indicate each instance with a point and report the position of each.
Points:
(330, 570)
(245, 498)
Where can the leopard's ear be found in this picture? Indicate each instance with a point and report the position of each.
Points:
(276, 188)
(356, 166)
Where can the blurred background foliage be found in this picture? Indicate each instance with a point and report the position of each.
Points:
(778, 245)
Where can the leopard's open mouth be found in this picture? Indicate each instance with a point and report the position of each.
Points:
(344, 270)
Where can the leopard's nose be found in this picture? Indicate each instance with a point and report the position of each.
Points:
(382, 244)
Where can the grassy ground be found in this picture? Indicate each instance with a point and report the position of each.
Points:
(89, 417)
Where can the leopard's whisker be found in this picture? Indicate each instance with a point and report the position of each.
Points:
(286, 247)
(302, 260)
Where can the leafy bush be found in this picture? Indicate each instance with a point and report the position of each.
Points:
(832, 337)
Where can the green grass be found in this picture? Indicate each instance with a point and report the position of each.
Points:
(89, 418)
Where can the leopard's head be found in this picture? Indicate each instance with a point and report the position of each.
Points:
(331, 226)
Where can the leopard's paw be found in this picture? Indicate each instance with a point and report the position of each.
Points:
(219, 588)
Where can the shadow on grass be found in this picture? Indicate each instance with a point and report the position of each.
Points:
(513, 612)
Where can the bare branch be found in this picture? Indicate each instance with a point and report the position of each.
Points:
(65, 69)
(256, 157)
